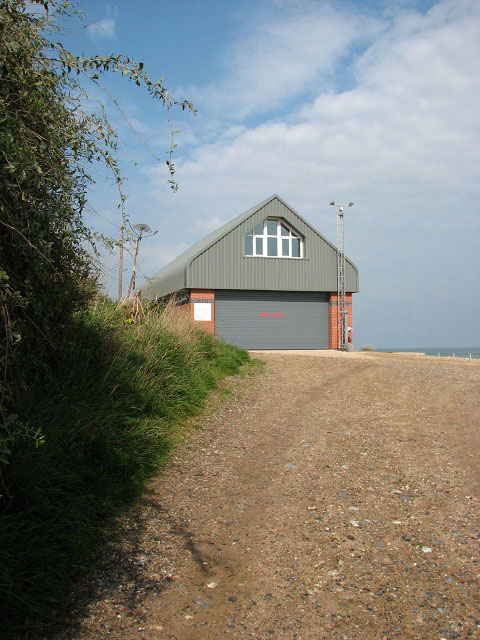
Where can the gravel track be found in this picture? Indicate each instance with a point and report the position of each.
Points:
(327, 497)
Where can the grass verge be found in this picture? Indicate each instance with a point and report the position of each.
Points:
(106, 405)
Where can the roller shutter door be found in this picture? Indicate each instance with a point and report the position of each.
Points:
(272, 319)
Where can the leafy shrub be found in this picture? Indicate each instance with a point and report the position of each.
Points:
(49, 144)
(85, 405)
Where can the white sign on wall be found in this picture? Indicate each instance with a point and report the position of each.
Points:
(202, 311)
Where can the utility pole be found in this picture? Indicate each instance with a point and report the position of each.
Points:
(342, 313)
(120, 266)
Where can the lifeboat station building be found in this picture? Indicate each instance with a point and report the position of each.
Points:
(265, 280)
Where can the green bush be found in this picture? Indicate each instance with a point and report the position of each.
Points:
(106, 407)
(368, 347)
(50, 147)
(86, 405)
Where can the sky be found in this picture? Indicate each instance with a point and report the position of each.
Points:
(375, 102)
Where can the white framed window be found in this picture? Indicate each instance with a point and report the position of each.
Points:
(273, 238)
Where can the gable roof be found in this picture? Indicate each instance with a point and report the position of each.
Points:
(174, 276)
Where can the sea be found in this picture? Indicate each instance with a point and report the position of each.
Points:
(454, 352)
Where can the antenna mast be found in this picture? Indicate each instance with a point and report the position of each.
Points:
(342, 313)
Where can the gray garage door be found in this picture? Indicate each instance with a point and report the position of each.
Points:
(272, 319)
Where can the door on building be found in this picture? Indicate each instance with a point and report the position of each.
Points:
(272, 319)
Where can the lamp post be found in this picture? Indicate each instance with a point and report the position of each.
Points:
(342, 313)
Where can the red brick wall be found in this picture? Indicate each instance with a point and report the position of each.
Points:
(333, 318)
(203, 295)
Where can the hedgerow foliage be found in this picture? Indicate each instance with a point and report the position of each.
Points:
(86, 405)
(44, 268)
(47, 144)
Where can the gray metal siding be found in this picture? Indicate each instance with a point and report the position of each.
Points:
(218, 260)
(223, 265)
(272, 319)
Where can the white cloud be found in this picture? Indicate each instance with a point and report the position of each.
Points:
(402, 142)
(102, 29)
(409, 119)
(280, 58)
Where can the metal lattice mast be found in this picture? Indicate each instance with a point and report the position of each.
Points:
(342, 313)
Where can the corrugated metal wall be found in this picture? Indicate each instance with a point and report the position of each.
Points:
(272, 319)
(224, 265)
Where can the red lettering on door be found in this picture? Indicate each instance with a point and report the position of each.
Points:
(267, 314)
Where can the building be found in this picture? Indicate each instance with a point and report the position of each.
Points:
(265, 280)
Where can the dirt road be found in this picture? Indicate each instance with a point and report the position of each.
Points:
(329, 497)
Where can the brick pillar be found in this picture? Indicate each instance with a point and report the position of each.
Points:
(332, 321)
(203, 296)
(333, 318)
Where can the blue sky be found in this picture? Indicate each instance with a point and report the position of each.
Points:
(371, 101)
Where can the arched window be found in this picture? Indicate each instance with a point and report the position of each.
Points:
(273, 238)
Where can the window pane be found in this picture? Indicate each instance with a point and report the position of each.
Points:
(285, 247)
(248, 245)
(272, 246)
(259, 229)
(271, 228)
(259, 246)
(249, 233)
(285, 231)
(295, 248)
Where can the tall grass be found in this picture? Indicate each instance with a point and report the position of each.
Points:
(106, 406)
